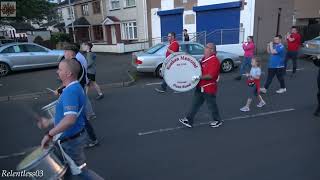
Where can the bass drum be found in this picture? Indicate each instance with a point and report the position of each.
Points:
(178, 70)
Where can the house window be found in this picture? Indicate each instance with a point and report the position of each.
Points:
(129, 30)
(129, 3)
(85, 10)
(115, 4)
(70, 13)
(96, 7)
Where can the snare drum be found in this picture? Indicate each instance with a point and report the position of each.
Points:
(178, 70)
(50, 110)
(44, 163)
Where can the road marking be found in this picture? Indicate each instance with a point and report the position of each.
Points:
(151, 84)
(206, 123)
(299, 69)
(19, 153)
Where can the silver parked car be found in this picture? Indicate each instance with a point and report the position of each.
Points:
(21, 56)
(151, 60)
(311, 47)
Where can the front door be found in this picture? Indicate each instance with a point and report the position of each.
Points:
(113, 35)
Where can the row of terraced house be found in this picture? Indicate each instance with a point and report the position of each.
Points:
(131, 25)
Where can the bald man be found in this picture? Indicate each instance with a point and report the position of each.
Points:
(69, 121)
(206, 89)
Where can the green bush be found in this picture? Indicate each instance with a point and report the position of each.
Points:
(60, 37)
(38, 40)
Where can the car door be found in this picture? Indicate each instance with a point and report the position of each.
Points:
(195, 50)
(16, 56)
(39, 56)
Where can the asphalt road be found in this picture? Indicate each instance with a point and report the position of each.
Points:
(141, 138)
(111, 68)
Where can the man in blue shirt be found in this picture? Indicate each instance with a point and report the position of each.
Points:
(276, 64)
(69, 120)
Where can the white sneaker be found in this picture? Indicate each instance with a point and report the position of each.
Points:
(245, 109)
(261, 104)
(281, 90)
(263, 90)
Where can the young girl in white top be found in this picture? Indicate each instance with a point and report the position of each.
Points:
(253, 83)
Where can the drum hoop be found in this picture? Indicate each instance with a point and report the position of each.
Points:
(50, 105)
(33, 162)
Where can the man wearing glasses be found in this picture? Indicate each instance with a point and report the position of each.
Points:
(172, 48)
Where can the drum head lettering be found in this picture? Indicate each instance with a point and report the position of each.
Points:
(179, 70)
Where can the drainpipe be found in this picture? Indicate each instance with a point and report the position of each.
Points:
(278, 21)
(73, 18)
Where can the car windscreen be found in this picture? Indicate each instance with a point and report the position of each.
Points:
(317, 38)
(154, 49)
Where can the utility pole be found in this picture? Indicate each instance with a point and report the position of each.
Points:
(72, 14)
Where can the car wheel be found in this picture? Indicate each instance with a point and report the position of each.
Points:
(159, 71)
(4, 69)
(227, 65)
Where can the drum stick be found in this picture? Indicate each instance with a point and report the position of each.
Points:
(51, 90)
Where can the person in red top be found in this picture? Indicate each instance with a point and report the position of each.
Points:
(294, 42)
(206, 89)
(172, 48)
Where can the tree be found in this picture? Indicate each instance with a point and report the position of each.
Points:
(33, 10)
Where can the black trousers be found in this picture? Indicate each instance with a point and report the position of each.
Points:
(90, 131)
(293, 55)
(279, 72)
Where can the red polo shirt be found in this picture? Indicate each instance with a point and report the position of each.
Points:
(210, 66)
(294, 45)
(174, 46)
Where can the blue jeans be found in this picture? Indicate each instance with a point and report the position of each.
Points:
(198, 100)
(75, 149)
(246, 63)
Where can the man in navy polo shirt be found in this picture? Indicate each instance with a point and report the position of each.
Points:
(69, 122)
(276, 66)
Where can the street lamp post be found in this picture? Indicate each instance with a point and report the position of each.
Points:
(72, 14)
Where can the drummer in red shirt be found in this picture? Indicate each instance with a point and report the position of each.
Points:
(206, 89)
(294, 42)
(172, 48)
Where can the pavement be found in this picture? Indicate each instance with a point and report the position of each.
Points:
(141, 138)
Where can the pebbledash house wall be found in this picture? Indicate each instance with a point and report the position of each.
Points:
(136, 13)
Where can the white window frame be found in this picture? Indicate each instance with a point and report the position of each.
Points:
(85, 9)
(70, 13)
(125, 30)
(114, 8)
(126, 5)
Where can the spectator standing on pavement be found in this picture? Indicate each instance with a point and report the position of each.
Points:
(69, 123)
(316, 62)
(276, 64)
(185, 35)
(253, 83)
(248, 48)
(70, 52)
(172, 48)
(206, 89)
(294, 42)
(91, 60)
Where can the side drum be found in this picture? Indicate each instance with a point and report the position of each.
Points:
(48, 163)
